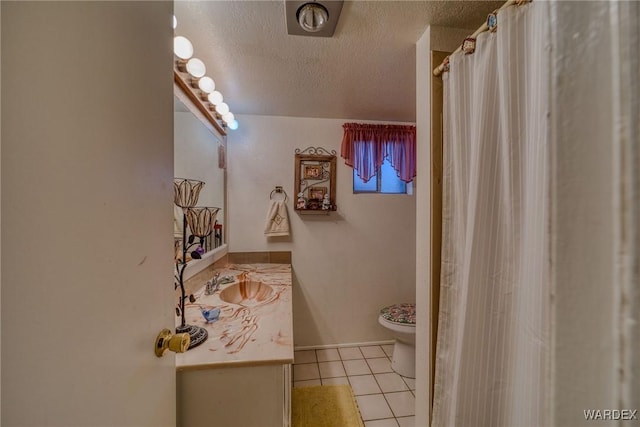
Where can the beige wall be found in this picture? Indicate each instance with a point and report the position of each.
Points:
(346, 265)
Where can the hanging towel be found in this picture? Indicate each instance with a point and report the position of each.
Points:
(277, 219)
(178, 217)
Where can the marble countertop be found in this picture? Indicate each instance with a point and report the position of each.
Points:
(258, 333)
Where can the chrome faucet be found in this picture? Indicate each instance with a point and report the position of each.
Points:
(212, 285)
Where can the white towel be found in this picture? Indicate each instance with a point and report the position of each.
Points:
(277, 219)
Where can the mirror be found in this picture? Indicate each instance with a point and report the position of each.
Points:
(315, 180)
(199, 154)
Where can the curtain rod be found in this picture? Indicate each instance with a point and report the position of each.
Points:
(484, 27)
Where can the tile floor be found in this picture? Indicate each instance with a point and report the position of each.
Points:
(385, 398)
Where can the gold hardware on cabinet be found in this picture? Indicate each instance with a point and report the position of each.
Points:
(166, 340)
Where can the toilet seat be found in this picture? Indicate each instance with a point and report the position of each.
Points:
(403, 314)
(399, 317)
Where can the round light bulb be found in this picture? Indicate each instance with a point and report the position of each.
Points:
(228, 118)
(312, 17)
(222, 108)
(175, 22)
(215, 97)
(196, 68)
(206, 84)
(182, 47)
(233, 125)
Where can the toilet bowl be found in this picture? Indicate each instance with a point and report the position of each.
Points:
(400, 319)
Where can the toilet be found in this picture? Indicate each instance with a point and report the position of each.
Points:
(400, 319)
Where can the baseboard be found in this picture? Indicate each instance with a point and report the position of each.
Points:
(352, 344)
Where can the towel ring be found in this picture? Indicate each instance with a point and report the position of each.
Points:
(278, 189)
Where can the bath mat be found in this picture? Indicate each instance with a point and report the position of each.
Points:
(324, 406)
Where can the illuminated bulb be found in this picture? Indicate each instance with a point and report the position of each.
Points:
(206, 84)
(182, 47)
(228, 118)
(196, 68)
(215, 97)
(175, 22)
(233, 125)
(222, 108)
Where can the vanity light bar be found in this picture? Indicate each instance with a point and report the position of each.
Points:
(190, 74)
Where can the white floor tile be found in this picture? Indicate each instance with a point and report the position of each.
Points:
(373, 407)
(402, 403)
(390, 382)
(304, 356)
(411, 382)
(407, 421)
(335, 381)
(356, 367)
(306, 371)
(387, 422)
(372, 351)
(364, 384)
(380, 365)
(331, 369)
(306, 383)
(327, 354)
(349, 353)
(388, 349)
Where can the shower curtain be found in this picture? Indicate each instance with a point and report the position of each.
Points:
(492, 344)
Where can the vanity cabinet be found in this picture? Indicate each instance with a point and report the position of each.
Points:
(241, 375)
(240, 396)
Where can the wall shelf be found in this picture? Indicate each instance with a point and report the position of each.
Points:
(315, 181)
(315, 211)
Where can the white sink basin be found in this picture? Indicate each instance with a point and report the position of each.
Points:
(247, 293)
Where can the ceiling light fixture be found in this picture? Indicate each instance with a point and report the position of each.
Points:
(189, 74)
(196, 68)
(182, 47)
(222, 108)
(228, 118)
(215, 97)
(312, 17)
(206, 84)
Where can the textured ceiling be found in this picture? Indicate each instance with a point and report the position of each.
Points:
(366, 71)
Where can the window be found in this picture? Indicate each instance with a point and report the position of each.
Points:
(383, 157)
(386, 180)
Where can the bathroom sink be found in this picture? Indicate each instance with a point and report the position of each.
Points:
(247, 293)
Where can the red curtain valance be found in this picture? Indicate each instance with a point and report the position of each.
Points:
(365, 146)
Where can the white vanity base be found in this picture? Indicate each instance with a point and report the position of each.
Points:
(244, 396)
